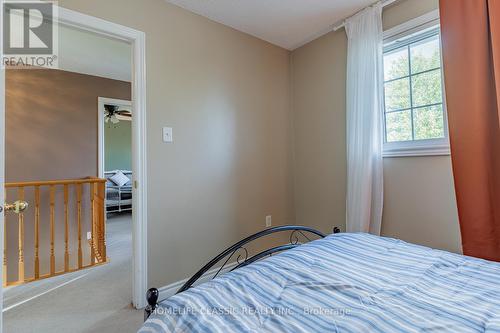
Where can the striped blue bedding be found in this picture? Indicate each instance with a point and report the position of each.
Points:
(343, 283)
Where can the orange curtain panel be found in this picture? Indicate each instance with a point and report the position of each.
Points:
(471, 56)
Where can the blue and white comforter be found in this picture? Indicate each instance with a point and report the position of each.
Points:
(343, 283)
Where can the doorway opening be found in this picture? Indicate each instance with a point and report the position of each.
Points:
(51, 233)
(115, 154)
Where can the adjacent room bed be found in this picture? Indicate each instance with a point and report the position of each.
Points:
(118, 191)
(340, 283)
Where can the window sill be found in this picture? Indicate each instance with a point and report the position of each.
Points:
(412, 150)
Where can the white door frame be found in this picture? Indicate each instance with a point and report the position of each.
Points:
(137, 39)
(2, 167)
(101, 101)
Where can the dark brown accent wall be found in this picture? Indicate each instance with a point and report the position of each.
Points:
(51, 123)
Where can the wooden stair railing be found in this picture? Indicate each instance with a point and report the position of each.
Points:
(96, 244)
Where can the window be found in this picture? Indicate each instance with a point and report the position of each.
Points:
(415, 114)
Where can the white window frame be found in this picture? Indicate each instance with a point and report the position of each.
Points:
(431, 147)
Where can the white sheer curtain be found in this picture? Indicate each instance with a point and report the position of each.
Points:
(364, 121)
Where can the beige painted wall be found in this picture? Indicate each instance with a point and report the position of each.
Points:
(319, 76)
(227, 96)
(420, 204)
(419, 195)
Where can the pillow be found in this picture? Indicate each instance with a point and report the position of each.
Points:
(119, 179)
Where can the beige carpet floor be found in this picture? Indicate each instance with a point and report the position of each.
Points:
(94, 300)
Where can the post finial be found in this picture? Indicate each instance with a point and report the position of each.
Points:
(152, 299)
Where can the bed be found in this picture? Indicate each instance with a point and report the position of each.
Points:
(340, 283)
(118, 196)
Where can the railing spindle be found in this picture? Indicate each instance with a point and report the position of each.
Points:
(79, 223)
(52, 231)
(102, 220)
(4, 272)
(97, 225)
(21, 239)
(66, 230)
(37, 232)
(92, 223)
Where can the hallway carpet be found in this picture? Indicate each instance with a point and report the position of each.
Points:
(93, 300)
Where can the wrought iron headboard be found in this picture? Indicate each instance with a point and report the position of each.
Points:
(297, 232)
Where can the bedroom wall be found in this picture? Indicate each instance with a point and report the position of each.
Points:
(419, 192)
(118, 146)
(226, 95)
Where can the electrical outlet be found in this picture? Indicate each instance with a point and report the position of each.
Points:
(269, 221)
(89, 235)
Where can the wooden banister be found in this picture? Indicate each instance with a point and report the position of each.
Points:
(56, 182)
(97, 228)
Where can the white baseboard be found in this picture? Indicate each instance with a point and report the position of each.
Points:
(171, 289)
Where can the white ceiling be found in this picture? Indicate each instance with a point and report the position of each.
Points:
(286, 23)
(88, 53)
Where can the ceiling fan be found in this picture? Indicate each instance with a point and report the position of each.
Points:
(113, 114)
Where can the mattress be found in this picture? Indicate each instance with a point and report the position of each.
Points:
(343, 283)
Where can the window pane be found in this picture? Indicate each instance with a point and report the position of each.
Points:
(429, 123)
(398, 126)
(397, 94)
(396, 64)
(427, 88)
(425, 55)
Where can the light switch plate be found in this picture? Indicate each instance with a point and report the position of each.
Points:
(269, 221)
(168, 135)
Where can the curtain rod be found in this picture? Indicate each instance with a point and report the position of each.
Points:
(341, 23)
